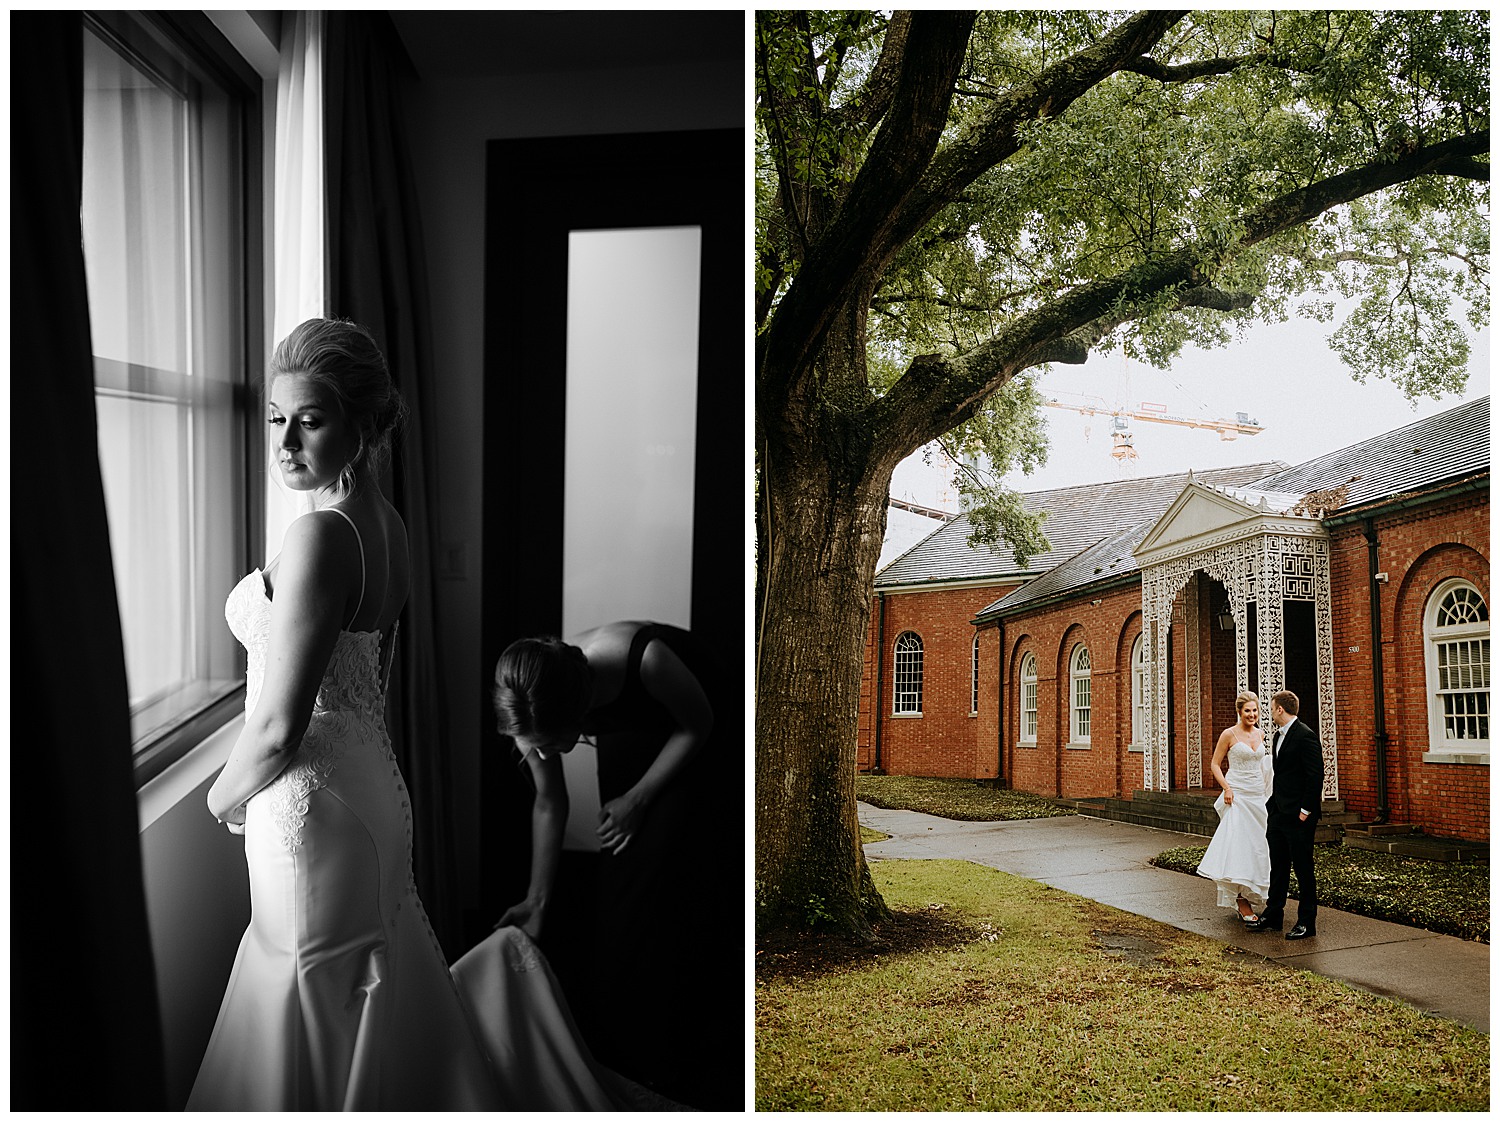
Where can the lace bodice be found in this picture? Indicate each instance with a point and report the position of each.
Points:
(349, 707)
(1247, 767)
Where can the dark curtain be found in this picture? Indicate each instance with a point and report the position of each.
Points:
(376, 277)
(85, 1029)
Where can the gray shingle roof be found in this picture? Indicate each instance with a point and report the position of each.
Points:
(1074, 518)
(1452, 445)
(1110, 558)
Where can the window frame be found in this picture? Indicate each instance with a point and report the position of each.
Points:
(1027, 681)
(1140, 694)
(910, 653)
(974, 677)
(191, 40)
(1441, 748)
(1080, 679)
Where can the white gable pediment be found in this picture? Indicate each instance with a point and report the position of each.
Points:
(1203, 517)
(1196, 514)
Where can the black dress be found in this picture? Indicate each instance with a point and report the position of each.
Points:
(671, 905)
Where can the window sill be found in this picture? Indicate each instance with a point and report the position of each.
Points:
(1477, 756)
(1078, 745)
(1138, 748)
(182, 778)
(906, 716)
(1026, 744)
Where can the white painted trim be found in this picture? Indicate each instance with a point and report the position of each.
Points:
(1481, 759)
(186, 775)
(945, 585)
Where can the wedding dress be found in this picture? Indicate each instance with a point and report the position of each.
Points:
(1238, 859)
(340, 998)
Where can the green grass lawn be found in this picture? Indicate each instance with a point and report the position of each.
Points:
(1021, 997)
(960, 799)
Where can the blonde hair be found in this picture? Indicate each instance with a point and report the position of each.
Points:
(343, 357)
(1245, 697)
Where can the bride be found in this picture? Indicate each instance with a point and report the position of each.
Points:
(340, 997)
(1238, 859)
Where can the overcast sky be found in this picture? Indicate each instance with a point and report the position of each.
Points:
(1283, 375)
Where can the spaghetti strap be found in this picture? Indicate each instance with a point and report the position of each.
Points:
(359, 538)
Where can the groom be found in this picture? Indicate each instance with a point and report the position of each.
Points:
(1292, 818)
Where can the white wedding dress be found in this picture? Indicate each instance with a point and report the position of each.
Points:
(340, 998)
(1238, 859)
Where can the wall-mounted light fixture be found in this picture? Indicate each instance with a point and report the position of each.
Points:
(1226, 618)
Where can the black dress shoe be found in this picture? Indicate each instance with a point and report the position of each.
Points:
(1262, 924)
(1301, 931)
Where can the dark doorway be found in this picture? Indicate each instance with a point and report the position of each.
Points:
(1300, 636)
(538, 193)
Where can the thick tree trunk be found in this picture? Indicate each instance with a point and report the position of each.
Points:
(820, 544)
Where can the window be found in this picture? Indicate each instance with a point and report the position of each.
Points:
(974, 680)
(908, 673)
(1457, 633)
(1078, 689)
(1140, 693)
(167, 250)
(1028, 699)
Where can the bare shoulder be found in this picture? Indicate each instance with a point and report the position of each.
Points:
(608, 641)
(319, 556)
(318, 542)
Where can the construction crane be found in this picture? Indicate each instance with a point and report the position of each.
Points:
(1120, 417)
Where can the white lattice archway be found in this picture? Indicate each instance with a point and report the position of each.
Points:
(1261, 554)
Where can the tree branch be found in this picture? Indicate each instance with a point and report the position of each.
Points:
(1190, 71)
(934, 394)
(909, 134)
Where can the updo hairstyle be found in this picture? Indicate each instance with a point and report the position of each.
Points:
(1244, 698)
(343, 358)
(542, 687)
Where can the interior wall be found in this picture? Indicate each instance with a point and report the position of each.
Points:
(449, 121)
(197, 907)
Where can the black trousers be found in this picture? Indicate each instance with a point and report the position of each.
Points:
(1291, 842)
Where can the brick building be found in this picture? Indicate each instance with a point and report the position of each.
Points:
(1109, 665)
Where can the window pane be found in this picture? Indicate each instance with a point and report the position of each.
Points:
(163, 233)
(135, 219)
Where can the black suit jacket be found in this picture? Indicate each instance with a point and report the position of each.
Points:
(1298, 777)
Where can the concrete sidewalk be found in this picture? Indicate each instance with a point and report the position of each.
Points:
(1108, 861)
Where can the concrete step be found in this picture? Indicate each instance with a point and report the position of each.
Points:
(1419, 845)
(1390, 829)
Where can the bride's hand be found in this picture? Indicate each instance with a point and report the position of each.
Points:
(235, 820)
(525, 915)
(1228, 797)
(619, 820)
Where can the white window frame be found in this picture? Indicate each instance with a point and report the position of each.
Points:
(1028, 699)
(1435, 637)
(206, 382)
(907, 653)
(1080, 697)
(1140, 694)
(974, 678)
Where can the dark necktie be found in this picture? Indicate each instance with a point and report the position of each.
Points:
(1276, 741)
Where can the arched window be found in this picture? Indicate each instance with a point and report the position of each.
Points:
(908, 680)
(1456, 628)
(974, 680)
(1028, 699)
(1079, 690)
(1140, 694)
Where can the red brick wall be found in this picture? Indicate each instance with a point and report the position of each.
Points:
(1056, 766)
(1420, 549)
(948, 738)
